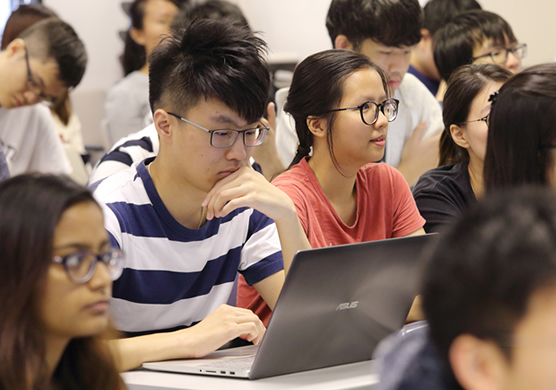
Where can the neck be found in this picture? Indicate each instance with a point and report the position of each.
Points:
(145, 68)
(181, 199)
(475, 169)
(339, 189)
(55, 347)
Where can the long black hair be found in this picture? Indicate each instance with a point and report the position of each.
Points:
(317, 88)
(522, 133)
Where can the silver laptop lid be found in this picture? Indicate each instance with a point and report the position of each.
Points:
(338, 302)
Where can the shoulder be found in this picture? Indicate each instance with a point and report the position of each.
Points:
(297, 180)
(413, 87)
(125, 186)
(129, 85)
(447, 176)
(380, 173)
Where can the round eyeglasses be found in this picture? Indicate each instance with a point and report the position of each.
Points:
(500, 56)
(225, 138)
(369, 110)
(80, 266)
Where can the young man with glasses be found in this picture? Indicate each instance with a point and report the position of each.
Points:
(193, 216)
(38, 66)
(386, 32)
(477, 37)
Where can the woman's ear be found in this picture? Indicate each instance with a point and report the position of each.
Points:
(163, 126)
(317, 126)
(138, 36)
(458, 135)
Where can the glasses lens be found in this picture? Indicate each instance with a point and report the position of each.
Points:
(499, 56)
(254, 137)
(223, 138)
(521, 51)
(390, 109)
(114, 261)
(79, 266)
(369, 112)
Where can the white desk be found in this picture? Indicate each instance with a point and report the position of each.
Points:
(351, 376)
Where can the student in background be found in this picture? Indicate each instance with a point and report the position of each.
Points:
(38, 66)
(476, 37)
(127, 103)
(436, 14)
(193, 216)
(57, 272)
(385, 31)
(443, 193)
(342, 106)
(66, 121)
(522, 133)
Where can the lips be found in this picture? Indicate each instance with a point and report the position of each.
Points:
(380, 141)
(100, 306)
(228, 172)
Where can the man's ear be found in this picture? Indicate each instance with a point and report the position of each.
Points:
(138, 36)
(477, 364)
(162, 123)
(459, 137)
(15, 47)
(317, 126)
(342, 42)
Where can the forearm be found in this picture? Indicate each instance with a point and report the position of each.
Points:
(130, 353)
(292, 237)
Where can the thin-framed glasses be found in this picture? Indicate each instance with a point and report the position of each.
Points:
(485, 119)
(35, 87)
(225, 138)
(369, 110)
(500, 56)
(80, 266)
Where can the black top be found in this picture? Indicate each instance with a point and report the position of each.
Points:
(442, 194)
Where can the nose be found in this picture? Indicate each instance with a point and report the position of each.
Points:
(101, 278)
(513, 62)
(381, 121)
(238, 149)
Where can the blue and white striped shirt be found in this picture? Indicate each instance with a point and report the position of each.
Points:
(175, 276)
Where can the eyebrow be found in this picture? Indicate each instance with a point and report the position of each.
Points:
(80, 246)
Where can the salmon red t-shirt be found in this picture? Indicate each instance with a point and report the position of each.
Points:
(385, 209)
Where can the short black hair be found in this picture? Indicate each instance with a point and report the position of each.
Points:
(454, 43)
(212, 9)
(522, 130)
(488, 266)
(210, 59)
(55, 39)
(438, 13)
(389, 22)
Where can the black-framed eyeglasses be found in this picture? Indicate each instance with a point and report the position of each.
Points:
(485, 119)
(80, 266)
(500, 56)
(224, 138)
(369, 110)
(35, 87)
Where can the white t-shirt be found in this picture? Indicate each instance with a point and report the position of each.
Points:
(416, 104)
(30, 141)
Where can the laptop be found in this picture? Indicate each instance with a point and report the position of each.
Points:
(336, 305)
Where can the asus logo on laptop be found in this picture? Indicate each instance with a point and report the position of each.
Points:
(347, 305)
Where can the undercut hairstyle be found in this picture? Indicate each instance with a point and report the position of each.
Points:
(462, 88)
(438, 13)
(54, 39)
(135, 56)
(31, 207)
(488, 266)
(317, 87)
(210, 59)
(522, 132)
(392, 23)
(454, 43)
(23, 17)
